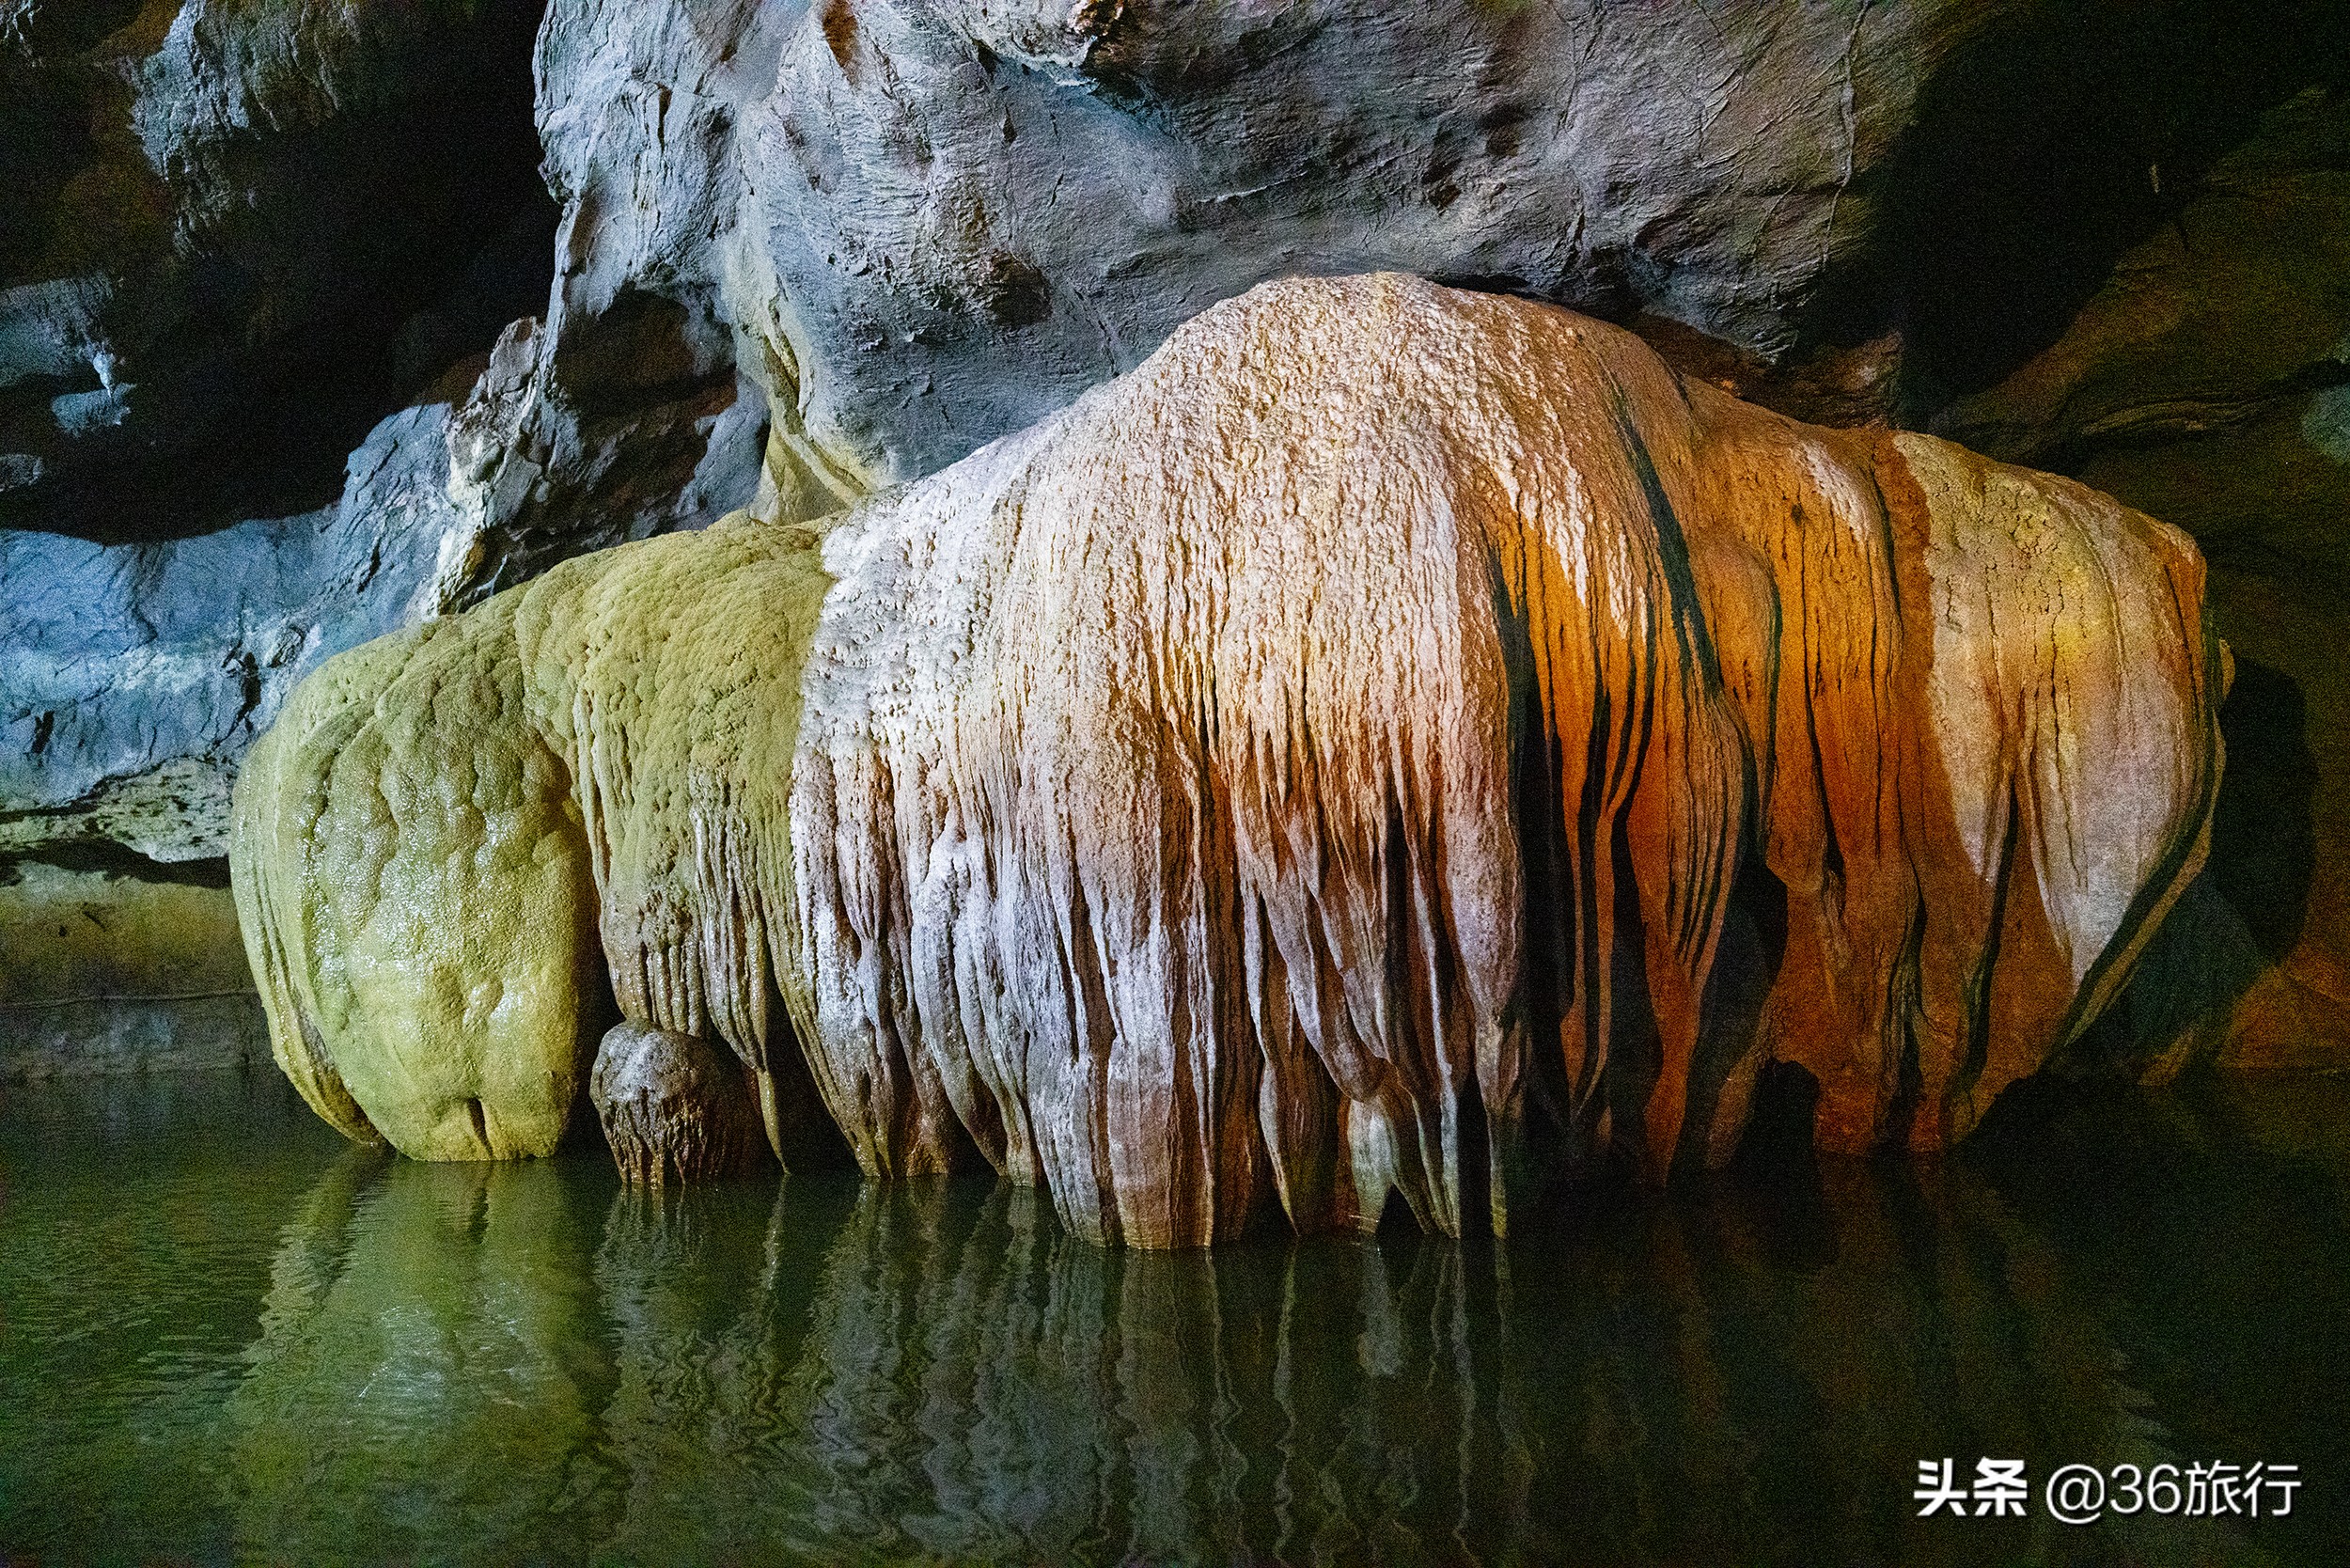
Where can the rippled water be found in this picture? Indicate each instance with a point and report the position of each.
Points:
(225, 1337)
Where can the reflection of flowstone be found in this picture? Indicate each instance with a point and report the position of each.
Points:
(418, 1351)
(1396, 741)
(927, 1373)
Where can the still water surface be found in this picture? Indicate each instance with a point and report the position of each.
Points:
(226, 1336)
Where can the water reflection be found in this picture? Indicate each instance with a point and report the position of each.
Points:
(817, 1372)
(431, 1370)
(978, 1384)
(706, 1294)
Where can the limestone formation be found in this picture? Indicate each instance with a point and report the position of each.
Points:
(673, 1107)
(667, 678)
(808, 249)
(2208, 380)
(607, 752)
(133, 676)
(1398, 741)
(412, 883)
(1406, 684)
(955, 215)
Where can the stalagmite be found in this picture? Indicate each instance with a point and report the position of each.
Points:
(673, 1107)
(1396, 742)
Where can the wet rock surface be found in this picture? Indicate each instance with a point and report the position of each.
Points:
(420, 884)
(1398, 737)
(605, 270)
(2208, 382)
(674, 1107)
(1399, 741)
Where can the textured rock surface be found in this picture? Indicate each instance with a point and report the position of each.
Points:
(1717, 168)
(412, 883)
(673, 1107)
(2209, 381)
(1329, 759)
(1397, 741)
(113, 974)
(928, 221)
(234, 234)
(133, 676)
(608, 749)
(293, 217)
(667, 678)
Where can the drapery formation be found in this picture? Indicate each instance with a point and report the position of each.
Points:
(1396, 741)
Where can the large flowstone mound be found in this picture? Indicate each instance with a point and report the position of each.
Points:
(1397, 741)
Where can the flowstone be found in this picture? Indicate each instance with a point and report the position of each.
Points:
(1397, 741)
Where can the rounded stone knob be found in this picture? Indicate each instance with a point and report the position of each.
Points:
(674, 1106)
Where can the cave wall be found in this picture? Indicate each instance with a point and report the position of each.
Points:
(316, 321)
